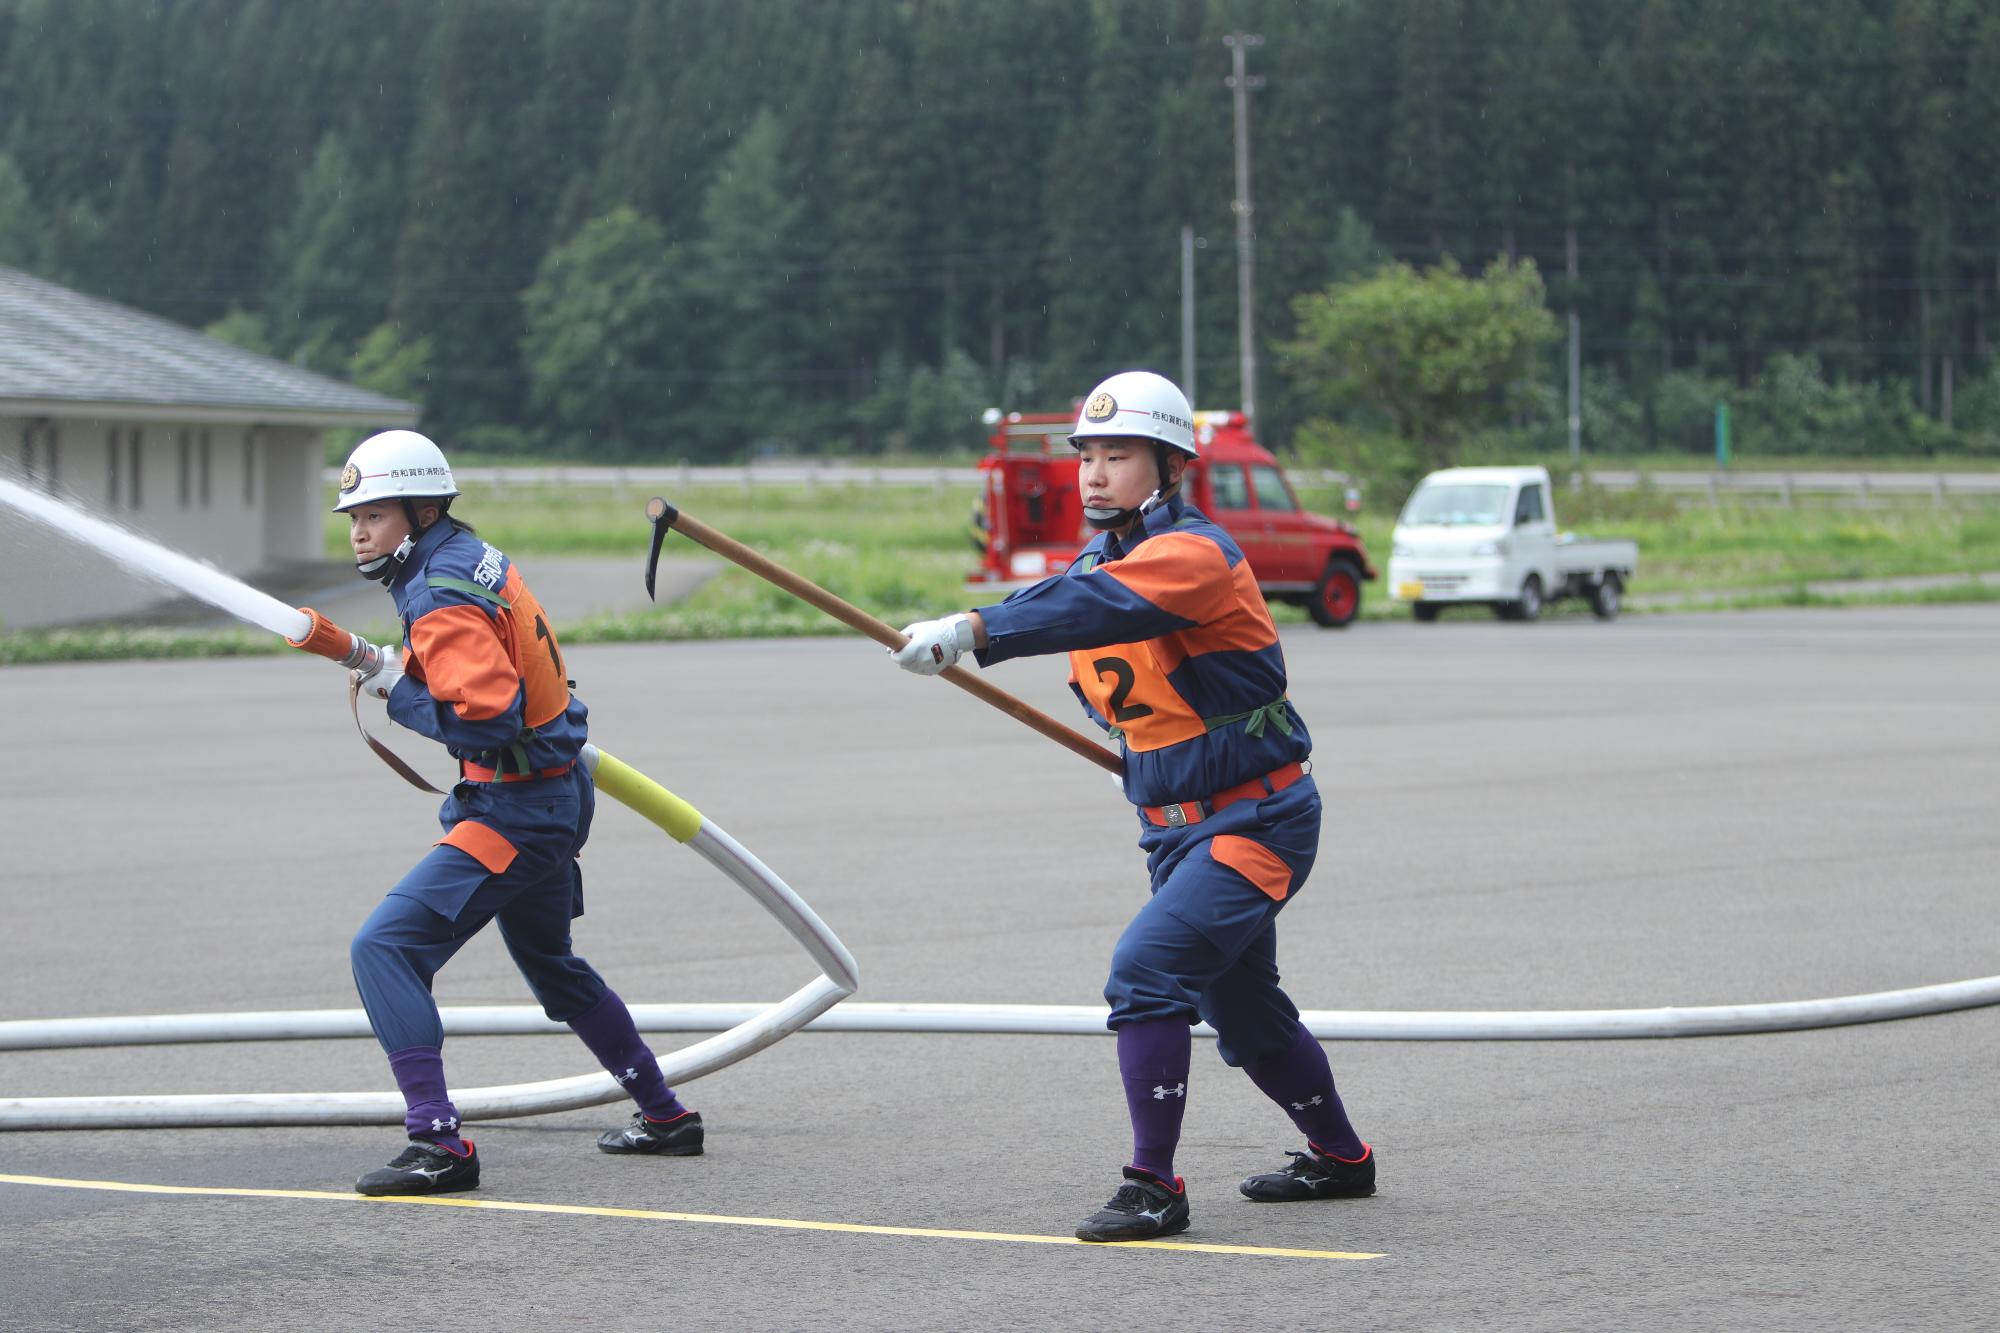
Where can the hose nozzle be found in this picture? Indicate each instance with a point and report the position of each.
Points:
(325, 639)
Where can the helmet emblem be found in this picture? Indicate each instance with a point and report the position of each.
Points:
(1101, 407)
(350, 477)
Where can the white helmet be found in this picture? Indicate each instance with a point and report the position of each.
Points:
(1137, 403)
(394, 465)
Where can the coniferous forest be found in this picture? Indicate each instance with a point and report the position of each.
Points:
(687, 228)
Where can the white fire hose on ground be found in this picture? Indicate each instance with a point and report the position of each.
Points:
(750, 1027)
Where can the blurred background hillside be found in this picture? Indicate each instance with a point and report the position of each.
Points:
(709, 229)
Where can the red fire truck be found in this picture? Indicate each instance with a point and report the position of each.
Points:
(1030, 523)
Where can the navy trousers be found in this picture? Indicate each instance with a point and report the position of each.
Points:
(449, 896)
(1206, 943)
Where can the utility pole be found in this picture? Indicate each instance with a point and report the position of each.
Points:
(1575, 364)
(1187, 314)
(1242, 84)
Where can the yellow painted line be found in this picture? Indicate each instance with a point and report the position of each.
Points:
(714, 1219)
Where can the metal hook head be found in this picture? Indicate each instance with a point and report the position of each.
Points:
(661, 515)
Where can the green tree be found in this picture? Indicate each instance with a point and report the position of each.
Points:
(24, 235)
(471, 227)
(325, 258)
(1929, 39)
(392, 362)
(583, 45)
(599, 327)
(967, 139)
(743, 270)
(1106, 248)
(246, 329)
(872, 223)
(1429, 135)
(1682, 46)
(1435, 352)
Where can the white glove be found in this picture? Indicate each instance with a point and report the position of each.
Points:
(934, 644)
(388, 670)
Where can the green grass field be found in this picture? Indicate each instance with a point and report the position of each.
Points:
(902, 553)
(1751, 545)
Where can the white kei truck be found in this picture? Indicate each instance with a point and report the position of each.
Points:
(1488, 534)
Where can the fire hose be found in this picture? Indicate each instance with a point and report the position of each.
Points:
(750, 1029)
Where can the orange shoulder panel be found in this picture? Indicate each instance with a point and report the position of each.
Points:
(1247, 627)
(1180, 573)
(465, 663)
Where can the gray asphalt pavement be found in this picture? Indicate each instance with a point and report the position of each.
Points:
(1688, 809)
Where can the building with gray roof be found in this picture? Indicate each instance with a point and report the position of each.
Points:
(205, 447)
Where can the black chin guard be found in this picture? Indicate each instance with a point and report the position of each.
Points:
(385, 567)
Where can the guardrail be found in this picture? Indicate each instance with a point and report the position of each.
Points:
(1787, 486)
(1864, 486)
(684, 475)
(809, 475)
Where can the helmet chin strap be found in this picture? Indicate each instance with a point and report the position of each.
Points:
(385, 567)
(1110, 520)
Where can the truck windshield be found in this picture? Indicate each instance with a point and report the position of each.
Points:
(1451, 506)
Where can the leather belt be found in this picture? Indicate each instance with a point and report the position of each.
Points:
(1193, 812)
(471, 772)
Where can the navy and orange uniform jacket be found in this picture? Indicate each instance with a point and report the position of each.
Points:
(483, 672)
(1171, 650)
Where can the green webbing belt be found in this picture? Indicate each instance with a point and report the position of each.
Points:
(471, 589)
(1275, 714)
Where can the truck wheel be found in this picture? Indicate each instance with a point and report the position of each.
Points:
(1606, 597)
(1425, 611)
(1528, 606)
(1337, 599)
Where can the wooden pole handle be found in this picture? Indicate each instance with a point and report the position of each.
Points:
(879, 630)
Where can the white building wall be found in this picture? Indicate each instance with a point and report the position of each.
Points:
(294, 502)
(162, 481)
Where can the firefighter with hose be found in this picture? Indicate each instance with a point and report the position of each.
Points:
(481, 672)
(1172, 651)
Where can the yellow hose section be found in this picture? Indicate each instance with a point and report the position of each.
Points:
(628, 786)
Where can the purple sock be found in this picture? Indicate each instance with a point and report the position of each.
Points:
(419, 1072)
(1153, 1062)
(607, 1029)
(1300, 1080)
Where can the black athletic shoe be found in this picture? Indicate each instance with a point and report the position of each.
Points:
(424, 1168)
(1313, 1175)
(679, 1137)
(1144, 1208)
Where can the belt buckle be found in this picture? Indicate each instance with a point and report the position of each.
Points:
(1176, 816)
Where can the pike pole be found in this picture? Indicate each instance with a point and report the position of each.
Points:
(664, 516)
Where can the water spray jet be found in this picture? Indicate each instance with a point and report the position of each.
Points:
(155, 563)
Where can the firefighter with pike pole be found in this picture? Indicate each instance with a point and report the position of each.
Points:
(1173, 652)
(481, 672)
